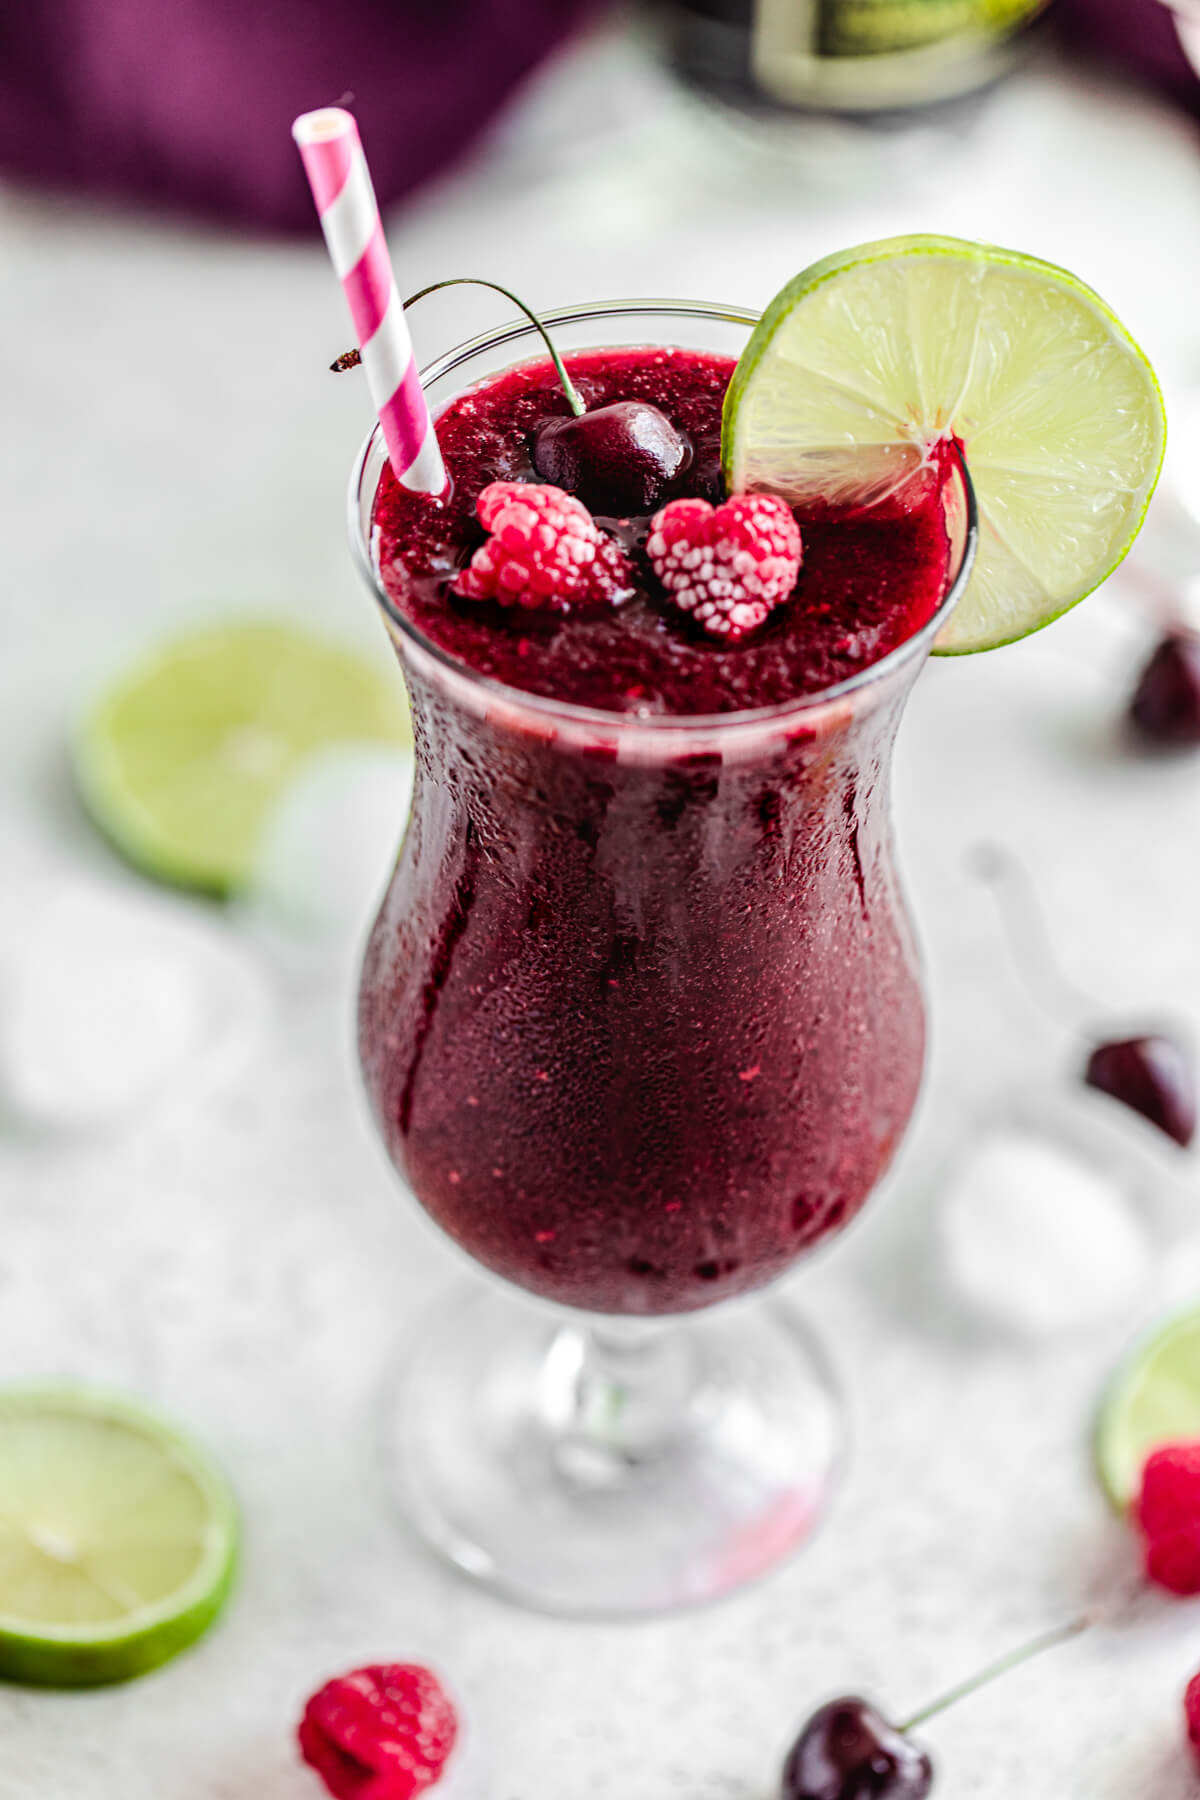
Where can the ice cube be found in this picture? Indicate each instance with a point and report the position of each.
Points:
(1038, 1239)
(108, 996)
(328, 851)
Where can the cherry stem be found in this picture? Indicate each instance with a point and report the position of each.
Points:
(1049, 1640)
(350, 359)
(1026, 929)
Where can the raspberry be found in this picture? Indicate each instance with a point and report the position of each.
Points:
(380, 1733)
(1191, 1712)
(727, 566)
(545, 551)
(1167, 1511)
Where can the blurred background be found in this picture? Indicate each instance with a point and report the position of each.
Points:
(191, 1201)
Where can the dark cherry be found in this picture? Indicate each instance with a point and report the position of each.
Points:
(848, 1751)
(619, 460)
(1165, 709)
(1154, 1076)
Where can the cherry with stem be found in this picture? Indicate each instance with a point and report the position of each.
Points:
(848, 1750)
(620, 459)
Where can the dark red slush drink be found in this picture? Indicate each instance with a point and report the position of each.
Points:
(640, 1018)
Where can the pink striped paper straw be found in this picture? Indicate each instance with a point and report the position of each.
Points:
(341, 185)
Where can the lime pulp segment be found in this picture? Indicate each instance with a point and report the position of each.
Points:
(864, 362)
(183, 760)
(118, 1537)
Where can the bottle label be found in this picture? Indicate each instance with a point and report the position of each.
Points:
(859, 54)
(877, 27)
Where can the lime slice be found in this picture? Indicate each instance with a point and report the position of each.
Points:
(183, 760)
(1153, 1399)
(869, 358)
(118, 1537)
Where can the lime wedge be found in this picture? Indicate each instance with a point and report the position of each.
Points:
(869, 358)
(1153, 1399)
(183, 760)
(118, 1537)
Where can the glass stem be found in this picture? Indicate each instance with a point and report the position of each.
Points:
(1024, 923)
(614, 1396)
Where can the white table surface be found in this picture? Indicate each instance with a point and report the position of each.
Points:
(171, 446)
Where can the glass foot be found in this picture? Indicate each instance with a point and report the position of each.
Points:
(609, 1467)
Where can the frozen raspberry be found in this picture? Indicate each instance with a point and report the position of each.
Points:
(727, 565)
(1167, 1511)
(1191, 1712)
(546, 551)
(381, 1733)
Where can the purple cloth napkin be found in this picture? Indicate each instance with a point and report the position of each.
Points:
(1136, 36)
(190, 103)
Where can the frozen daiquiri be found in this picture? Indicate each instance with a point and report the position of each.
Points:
(641, 1027)
(640, 1018)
